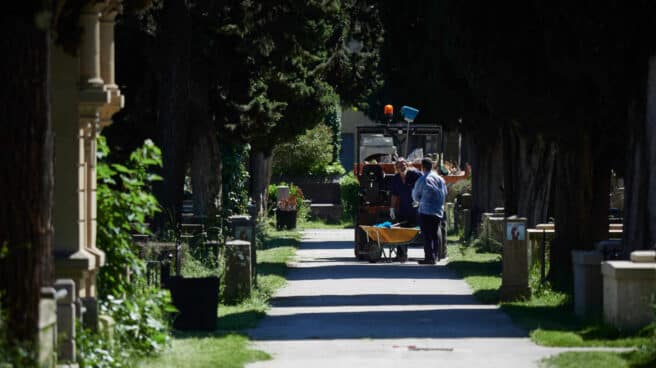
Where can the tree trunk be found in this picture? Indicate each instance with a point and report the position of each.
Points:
(529, 167)
(173, 107)
(487, 177)
(206, 157)
(261, 165)
(26, 173)
(640, 177)
(581, 203)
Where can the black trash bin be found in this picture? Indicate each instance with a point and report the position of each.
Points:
(197, 301)
(285, 219)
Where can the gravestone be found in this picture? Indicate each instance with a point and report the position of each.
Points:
(47, 328)
(587, 282)
(282, 192)
(450, 216)
(514, 280)
(629, 289)
(242, 227)
(238, 271)
(66, 321)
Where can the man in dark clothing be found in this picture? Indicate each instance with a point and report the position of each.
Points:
(401, 209)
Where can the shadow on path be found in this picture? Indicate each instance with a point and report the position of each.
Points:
(372, 300)
(371, 271)
(433, 323)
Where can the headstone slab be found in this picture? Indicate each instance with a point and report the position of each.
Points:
(588, 283)
(643, 256)
(628, 291)
(514, 277)
(238, 274)
(466, 200)
(66, 320)
(282, 192)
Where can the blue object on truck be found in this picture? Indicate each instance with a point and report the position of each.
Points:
(409, 113)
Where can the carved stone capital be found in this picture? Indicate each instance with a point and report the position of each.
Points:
(116, 104)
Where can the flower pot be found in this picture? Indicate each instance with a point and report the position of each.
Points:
(197, 301)
(286, 219)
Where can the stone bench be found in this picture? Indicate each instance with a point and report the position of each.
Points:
(327, 211)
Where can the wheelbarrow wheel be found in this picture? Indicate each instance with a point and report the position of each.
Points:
(375, 252)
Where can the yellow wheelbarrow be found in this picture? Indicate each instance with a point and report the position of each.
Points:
(383, 242)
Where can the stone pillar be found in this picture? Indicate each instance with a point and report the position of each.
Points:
(629, 289)
(237, 271)
(587, 282)
(89, 50)
(47, 328)
(514, 278)
(72, 260)
(66, 321)
(243, 228)
(90, 137)
(92, 96)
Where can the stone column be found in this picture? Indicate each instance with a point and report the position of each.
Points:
(107, 70)
(72, 260)
(89, 50)
(92, 96)
(514, 277)
(238, 271)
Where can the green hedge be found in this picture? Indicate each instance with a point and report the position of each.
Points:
(349, 189)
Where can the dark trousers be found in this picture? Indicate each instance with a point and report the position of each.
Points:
(431, 229)
(443, 225)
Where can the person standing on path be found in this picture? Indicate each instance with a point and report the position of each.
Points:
(430, 192)
(401, 209)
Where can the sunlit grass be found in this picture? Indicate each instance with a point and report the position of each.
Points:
(547, 314)
(200, 351)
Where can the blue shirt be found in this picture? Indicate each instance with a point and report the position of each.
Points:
(404, 192)
(430, 191)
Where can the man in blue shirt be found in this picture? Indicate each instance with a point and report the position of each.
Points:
(430, 192)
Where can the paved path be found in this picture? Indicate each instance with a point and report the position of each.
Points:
(337, 312)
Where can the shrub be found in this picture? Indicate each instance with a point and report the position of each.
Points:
(349, 189)
(125, 203)
(457, 188)
(12, 354)
(235, 177)
(309, 154)
(141, 330)
(485, 242)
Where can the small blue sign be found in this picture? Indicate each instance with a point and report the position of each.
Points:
(409, 113)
